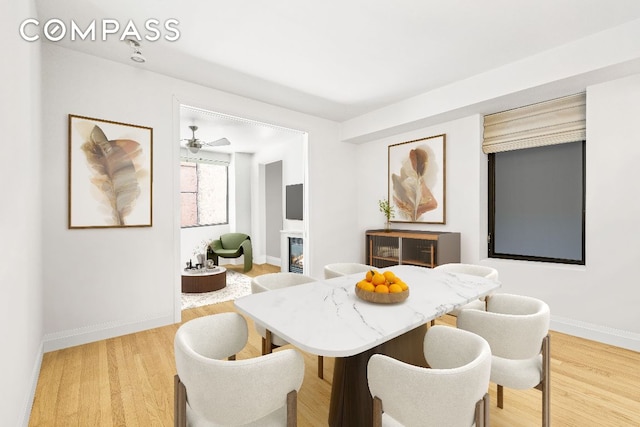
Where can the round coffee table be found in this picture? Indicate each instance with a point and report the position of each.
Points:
(204, 280)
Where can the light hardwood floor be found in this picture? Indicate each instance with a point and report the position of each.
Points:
(128, 381)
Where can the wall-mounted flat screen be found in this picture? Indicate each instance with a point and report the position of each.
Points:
(294, 201)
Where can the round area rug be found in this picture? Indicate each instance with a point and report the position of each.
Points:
(238, 285)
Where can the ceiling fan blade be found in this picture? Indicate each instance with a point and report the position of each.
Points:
(218, 142)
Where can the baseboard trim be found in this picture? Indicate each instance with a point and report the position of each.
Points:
(87, 334)
(271, 260)
(30, 397)
(603, 334)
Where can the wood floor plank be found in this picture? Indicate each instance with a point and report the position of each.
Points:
(135, 408)
(104, 386)
(117, 406)
(128, 381)
(46, 400)
(90, 412)
(69, 392)
(157, 387)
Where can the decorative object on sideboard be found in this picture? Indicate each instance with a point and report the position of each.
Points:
(388, 211)
(110, 174)
(201, 258)
(417, 180)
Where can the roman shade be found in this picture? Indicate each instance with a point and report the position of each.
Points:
(557, 121)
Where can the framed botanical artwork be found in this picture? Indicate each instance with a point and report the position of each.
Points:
(417, 180)
(110, 174)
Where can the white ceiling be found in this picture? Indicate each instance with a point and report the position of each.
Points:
(338, 59)
(245, 136)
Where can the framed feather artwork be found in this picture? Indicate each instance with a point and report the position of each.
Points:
(110, 174)
(417, 180)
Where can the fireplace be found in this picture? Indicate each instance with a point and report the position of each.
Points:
(296, 255)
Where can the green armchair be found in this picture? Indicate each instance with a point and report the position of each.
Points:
(232, 245)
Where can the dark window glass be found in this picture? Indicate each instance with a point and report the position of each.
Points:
(536, 204)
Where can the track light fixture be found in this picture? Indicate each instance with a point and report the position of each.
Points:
(136, 55)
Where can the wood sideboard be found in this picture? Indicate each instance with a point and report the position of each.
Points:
(414, 247)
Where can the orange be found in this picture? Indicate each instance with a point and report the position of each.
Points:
(368, 287)
(390, 276)
(395, 288)
(369, 275)
(361, 283)
(382, 289)
(402, 285)
(378, 279)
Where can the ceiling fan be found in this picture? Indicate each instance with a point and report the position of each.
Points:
(194, 145)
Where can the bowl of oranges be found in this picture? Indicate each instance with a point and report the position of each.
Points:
(382, 288)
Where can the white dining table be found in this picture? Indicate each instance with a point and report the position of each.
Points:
(327, 318)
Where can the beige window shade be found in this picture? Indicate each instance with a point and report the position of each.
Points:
(557, 121)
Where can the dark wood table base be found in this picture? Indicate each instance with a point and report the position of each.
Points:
(198, 283)
(351, 401)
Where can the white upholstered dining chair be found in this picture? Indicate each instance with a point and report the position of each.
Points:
(210, 390)
(271, 281)
(452, 392)
(474, 270)
(344, 268)
(517, 329)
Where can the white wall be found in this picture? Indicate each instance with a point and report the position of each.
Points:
(194, 238)
(598, 301)
(242, 193)
(21, 216)
(291, 152)
(273, 211)
(464, 164)
(106, 282)
(103, 283)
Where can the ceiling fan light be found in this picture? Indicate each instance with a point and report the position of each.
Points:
(193, 148)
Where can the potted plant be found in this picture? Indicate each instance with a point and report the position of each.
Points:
(388, 212)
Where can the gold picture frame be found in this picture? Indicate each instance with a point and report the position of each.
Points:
(110, 174)
(417, 180)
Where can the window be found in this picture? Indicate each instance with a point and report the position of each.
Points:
(203, 194)
(536, 204)
(537, 181)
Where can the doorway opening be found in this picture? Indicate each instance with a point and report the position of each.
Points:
(262, 159)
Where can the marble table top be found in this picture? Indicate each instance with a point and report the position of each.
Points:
(327, 318)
